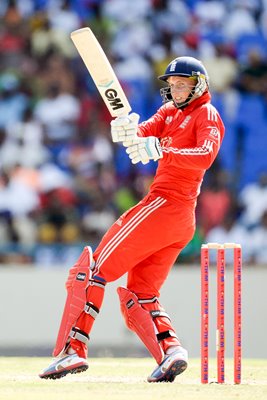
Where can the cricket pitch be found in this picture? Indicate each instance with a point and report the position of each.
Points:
(125, 379)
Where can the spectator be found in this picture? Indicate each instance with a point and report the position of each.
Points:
(214, 202)
(13, 102)
(26, 142)
(240, 21)
(98, 220)
(252, 78)
(253, 199)
(221, 61)
(16, 216)
(230, 231)
(57, 112)
(259, 241)
(13, 38)
(62, 18)
(53, 120)
(13, 188)
(55, 71)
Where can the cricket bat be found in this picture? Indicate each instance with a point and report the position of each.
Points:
(101, 71)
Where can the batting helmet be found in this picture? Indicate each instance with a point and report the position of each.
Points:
(187, 67)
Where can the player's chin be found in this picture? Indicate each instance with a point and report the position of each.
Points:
(179, 100)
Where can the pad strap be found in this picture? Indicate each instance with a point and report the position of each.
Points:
(96, 282)
(78, 334)
(165, 335)
(145, 301)
(91, 309)
(159, 313)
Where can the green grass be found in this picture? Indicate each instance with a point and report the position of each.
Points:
(125, 379)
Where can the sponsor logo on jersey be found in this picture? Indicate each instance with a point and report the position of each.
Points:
(166, 142)
(214, 132)
(185, 122)
(168, 120)
(119, 221)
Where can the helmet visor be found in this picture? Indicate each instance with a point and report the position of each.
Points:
(180, 92)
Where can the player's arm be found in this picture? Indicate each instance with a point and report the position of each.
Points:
(209, 135)
(125, 129)
(140, 149)
(209, 132)
(141, 140)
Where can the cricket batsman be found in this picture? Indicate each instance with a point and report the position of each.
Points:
(184, 136)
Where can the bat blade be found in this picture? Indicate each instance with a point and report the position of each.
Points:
(101, 71)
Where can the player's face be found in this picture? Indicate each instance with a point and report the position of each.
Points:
(180, 87)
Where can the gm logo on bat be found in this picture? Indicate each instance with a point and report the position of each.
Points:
(112, 96)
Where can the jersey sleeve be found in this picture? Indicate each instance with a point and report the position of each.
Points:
(154, 125)
(209, 134)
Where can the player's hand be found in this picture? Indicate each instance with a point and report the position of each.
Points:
(144, 150)
(124, 129)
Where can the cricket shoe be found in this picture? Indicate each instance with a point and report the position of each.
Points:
(69, 364)
(172, 365)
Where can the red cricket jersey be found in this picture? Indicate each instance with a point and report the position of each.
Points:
(190, 140)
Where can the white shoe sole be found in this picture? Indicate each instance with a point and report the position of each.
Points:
(176, 368)
(72, 369)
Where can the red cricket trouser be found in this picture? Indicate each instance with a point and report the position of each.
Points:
(145, 242)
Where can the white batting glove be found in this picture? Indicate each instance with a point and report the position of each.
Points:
(124, 129)
(201, 86)
(144, 150)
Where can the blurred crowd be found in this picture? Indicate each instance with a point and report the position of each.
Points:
(62, 181)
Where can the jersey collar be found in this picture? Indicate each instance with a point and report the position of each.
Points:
(205, 98)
